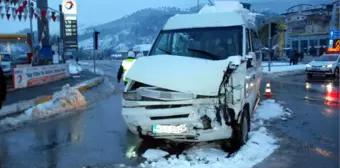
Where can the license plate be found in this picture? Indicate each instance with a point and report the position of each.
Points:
(169, 129)
(315, 69)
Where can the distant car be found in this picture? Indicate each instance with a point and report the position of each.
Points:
(327, 64)
(6, 64)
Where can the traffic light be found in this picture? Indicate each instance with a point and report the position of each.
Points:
(274, 27)
(95, 40)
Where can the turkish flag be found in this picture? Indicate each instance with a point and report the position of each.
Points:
(43, 13)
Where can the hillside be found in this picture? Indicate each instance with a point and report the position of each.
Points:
(139, 27)
(142, 26)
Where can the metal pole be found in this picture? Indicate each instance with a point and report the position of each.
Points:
(61, 29)
(198, 6)
(94, 60)
(269, 43)
(30, 14)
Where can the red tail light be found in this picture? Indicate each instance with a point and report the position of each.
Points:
(333, 94)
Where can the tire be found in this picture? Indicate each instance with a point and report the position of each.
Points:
(241, 131)
(336, 72)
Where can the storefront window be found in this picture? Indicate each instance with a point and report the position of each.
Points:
(313, 43)
(295, 44)
(304, 45)
(323, 42)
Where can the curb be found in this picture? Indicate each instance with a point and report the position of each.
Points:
(20, 107)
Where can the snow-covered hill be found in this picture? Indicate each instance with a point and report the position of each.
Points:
(138, 28)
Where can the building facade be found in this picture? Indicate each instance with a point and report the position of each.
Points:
(308, 26)
(335, 19)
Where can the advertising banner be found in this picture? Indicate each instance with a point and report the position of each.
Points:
(32, 76)
(70, 26)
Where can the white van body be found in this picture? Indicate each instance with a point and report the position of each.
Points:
(184, 98)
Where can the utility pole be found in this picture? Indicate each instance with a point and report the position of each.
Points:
(269, 43)
(61, 32)
(95, 48)
(43, 25)
(30, 15)
(198, 6)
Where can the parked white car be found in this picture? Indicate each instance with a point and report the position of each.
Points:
(200, 81)
(327, 64)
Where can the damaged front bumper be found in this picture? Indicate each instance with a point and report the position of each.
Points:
(199, 116)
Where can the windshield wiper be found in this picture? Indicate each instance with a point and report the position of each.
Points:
(212, 56)
(164, 50)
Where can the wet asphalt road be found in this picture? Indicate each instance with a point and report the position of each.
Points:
(95, 136)
(311, 137)
(98, 135)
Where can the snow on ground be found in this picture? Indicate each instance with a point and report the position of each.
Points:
(89, 66)
(98, 71)
(154, 154)
(84, 63)
(273, 110)
(260, 145)
(288, 68)
(265, 64)
(69, 98)
(74, 68)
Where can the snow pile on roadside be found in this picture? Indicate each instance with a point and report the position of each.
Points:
(12, 121)
(260, 145)
(265, 64)
(68, 98)
(288, 68)
(83, 63)
(98, 71)
(273, 110)
(274, 63)
(154, 154)
(74, 69)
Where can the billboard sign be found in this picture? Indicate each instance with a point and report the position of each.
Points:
(70, 33)
(32, 76)
(69, 7)
(70, 26)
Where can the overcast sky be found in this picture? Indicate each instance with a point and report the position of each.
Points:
(92, 12)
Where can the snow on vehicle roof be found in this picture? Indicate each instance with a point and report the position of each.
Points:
(222, 14)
